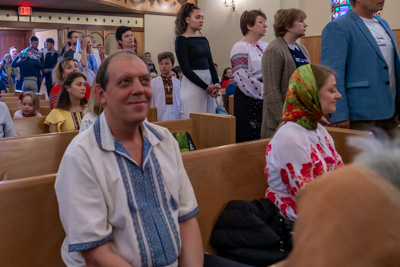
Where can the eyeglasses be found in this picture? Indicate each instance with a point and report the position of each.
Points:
(263, 22)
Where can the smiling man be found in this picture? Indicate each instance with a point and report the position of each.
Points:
(124, 196)
(362, 50)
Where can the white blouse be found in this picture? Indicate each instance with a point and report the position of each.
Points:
(295, 157)
(247, 69)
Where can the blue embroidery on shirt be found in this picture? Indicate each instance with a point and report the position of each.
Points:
(153, 131)
(133, 210)
(96, 129)
(160, 179)
(188, 216)
(90, 245)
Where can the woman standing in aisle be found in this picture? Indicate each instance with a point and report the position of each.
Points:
(282, 57)
(199, 86)
(246, 56)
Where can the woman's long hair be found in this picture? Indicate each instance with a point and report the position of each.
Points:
(180, 21)
(64, 102)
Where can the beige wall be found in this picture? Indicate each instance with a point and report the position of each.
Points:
(159, 35)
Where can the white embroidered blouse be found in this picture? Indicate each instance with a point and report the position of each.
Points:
(247, 70)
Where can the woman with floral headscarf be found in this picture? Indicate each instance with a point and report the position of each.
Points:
(302, 149)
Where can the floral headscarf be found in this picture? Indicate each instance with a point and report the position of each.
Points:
(302, 101)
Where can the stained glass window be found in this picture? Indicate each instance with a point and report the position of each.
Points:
(340, 7)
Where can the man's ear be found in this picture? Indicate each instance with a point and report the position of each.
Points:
(100, 94)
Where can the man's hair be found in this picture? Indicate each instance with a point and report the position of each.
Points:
(102, 74)
(69, 34)
(165, 55)
(12, 47)
(64, 102)
(352, 3)
(215, 64)
(284, 19)
(248, 18)
(120, 31)
(147, 53)
(50, 40)
(33, 38)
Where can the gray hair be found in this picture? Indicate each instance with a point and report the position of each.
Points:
(381, 154)
(102, 73)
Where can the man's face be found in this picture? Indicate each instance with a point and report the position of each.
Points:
(13, 52)
(128, 96)
(370, 6)
(49, 46)
(74, 38)
(148, 57)
(35, 44)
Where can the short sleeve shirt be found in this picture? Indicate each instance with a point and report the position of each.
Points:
(66, 121)
(105, 197)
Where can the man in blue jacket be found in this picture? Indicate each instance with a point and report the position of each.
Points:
(362, 50)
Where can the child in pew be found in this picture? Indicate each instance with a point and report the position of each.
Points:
(29, 106)
(166, 90)
(67, 115)
(92, 112)
(302, 149)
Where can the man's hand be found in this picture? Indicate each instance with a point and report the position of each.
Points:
(342, 124)
(46, 70)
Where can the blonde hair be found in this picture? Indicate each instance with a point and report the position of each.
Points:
(94, 106)
(59, 69)
(35, 101)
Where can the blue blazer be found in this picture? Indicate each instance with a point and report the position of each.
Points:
(362, 74)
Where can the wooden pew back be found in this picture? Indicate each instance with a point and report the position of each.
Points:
(221, 174)
(31, 232)
(32, 155)
(207, 130)
(340, 138)
(30, 126)
(225, 173)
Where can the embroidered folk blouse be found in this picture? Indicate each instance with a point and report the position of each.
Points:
(295, 157)
(247, 70)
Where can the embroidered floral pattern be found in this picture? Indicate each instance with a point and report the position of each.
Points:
(288, 180)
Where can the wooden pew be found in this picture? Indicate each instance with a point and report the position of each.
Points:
(32, 155)
(45, 110)
(41, 154)
(17, 104)
(32, 210)
(206, 129)
(8, 97)
(341, 144)
(31, 232)
(30, 126)
(221, 174)
(226, 173)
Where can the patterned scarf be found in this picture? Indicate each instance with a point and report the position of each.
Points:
(302, 101)
(168, 87)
